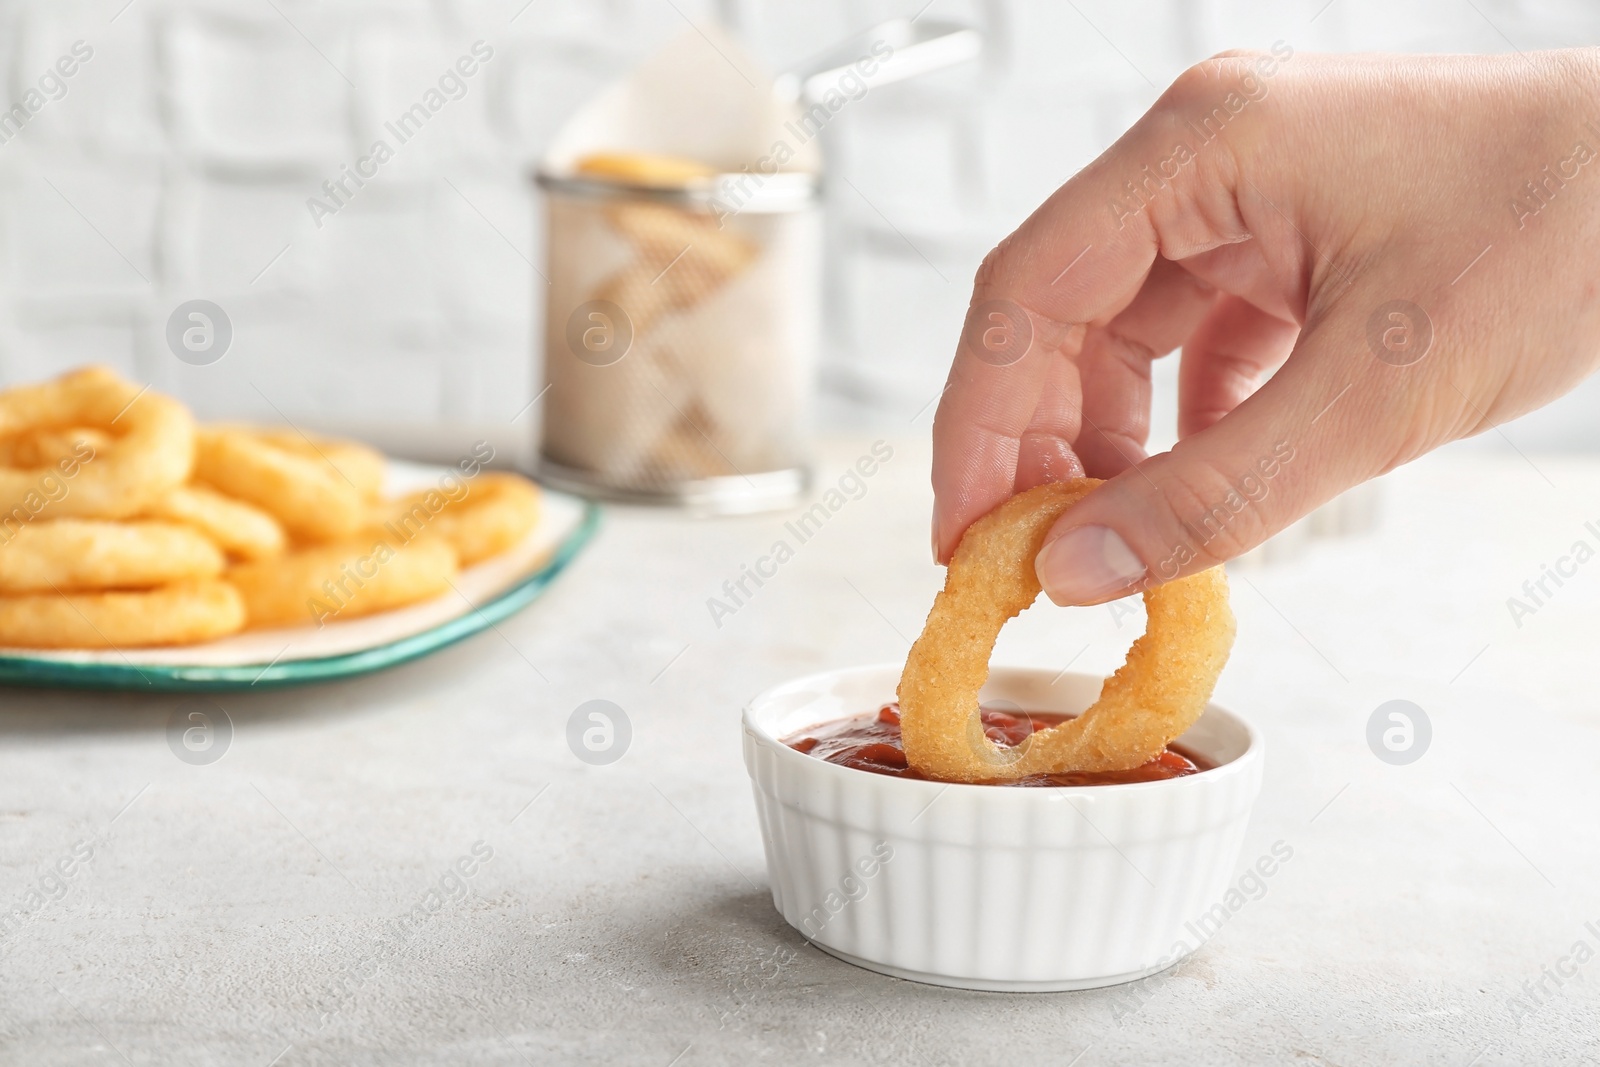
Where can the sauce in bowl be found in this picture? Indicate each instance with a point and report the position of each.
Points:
(871, 743)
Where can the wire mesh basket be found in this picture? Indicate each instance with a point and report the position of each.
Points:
(680, 339)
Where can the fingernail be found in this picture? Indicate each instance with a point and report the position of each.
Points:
(934, 535)
(1086, 564)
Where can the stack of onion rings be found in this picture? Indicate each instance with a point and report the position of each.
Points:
(118, 519)
(1153, 698)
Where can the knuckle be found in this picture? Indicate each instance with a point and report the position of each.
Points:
(1197, 83)
(1240, 374)
(1212, 520)
(1123, 442)
(1131, 352)
(1237, 53)
(991, 270)
(1216, 92)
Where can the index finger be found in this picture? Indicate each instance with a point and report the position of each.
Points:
(1078, 259)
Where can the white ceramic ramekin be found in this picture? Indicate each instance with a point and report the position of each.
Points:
(984, 887)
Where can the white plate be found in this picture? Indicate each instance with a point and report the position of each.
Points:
(483, 594)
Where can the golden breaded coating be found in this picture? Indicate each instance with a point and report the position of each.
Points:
(177, 614)
(1153, 698)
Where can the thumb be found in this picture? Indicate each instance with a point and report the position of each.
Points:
(1323, 423)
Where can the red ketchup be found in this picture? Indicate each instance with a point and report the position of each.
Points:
(872, 743)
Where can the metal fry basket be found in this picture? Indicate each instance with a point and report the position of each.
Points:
(680, 339)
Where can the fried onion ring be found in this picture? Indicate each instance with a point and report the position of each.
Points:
(644, 168)
(177, 614)
(152, 449)
(361, 466)
(242, 530)
(76, 555)
(495, 512)
(313, 501)
(344, 580)
(1153, 698)
(41, 448)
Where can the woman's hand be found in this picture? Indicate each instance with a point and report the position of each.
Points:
(1408, 246)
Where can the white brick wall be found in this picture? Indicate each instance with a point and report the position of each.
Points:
(179, 160)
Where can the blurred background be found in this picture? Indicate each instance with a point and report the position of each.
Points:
(176, 161)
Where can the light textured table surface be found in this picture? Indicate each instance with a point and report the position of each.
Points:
(255, 911)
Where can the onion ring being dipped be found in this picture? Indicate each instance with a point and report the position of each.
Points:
(314, 501)
(495, 512)
(178, 614)
(152, 449)
(1153, 698)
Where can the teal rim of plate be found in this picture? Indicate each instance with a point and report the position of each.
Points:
(32, 672)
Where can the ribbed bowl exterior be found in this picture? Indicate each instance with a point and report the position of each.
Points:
(986, 887)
